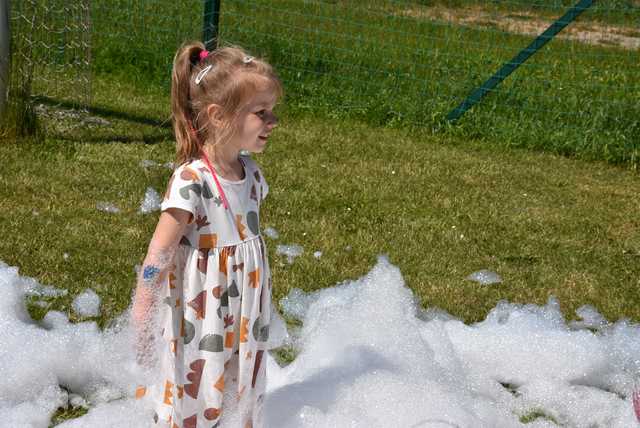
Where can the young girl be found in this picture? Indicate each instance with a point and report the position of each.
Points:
(205, 285)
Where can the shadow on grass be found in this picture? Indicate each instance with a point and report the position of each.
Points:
(104, 112)
(162, 127)
(106, 139)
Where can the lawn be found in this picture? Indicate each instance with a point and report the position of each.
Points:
(409, 63)
(538, 183)
(439, 207)
(397, 64)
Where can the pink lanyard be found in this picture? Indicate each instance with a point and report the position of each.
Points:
(225, 202)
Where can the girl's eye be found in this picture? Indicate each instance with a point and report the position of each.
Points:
(266, 116)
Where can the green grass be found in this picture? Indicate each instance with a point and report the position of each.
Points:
(534, 415)
(547, 224)
(363, 159)
(389, 69)
(379, 65)
(65, 414)
(440, 208)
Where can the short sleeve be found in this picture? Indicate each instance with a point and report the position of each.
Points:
(260, 182)
(184, 190)
(264, 187)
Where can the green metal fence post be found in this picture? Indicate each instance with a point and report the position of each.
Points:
(5, 56)
(211, 20)
(524, 54)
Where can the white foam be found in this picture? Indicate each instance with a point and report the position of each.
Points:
(151, 201)
(368, 357)
(148, 163)
(34, 289)
(87, 304)
(107, 207)
(367, 360)
(590, 318)
(41, 361)
(291, 251)
(484, 276)
(271, 233)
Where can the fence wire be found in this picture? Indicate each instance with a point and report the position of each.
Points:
(390, 62)
(51, 49)
(412, 62)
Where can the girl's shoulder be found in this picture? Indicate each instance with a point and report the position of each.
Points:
(248, 162)
(191, 171)
(259, 182)
(251, 167)
(185, 188)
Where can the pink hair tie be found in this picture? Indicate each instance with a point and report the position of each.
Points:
(203, 54)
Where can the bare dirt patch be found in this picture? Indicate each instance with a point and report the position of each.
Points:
(528, 23)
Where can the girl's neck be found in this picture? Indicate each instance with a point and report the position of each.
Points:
(225, 160)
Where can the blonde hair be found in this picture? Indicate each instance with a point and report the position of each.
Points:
(232, 78)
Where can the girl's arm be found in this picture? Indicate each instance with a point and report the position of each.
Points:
(162, 247)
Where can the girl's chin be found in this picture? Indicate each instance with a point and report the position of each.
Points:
(256, 149)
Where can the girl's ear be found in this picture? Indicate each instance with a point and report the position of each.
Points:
(214, 114)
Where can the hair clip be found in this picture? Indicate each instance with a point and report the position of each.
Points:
(247, 59)
(203, 54)
(203, 73)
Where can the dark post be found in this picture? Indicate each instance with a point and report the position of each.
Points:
(211, 20)
(5, 57)
(524, 54)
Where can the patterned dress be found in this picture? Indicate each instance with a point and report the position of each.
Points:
(216, 305)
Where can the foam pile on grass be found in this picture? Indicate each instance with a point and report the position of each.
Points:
(368, 357)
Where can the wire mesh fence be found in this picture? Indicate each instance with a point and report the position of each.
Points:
(412, 62)
(52, 48)
(406, 63)
(50, 57)
(138, 38)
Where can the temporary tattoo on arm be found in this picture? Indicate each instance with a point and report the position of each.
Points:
(150, 274)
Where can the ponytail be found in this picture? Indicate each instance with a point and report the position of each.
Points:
(188, 145)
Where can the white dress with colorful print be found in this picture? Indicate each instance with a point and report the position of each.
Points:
(216, 306)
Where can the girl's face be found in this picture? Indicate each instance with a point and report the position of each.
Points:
(255, 123)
